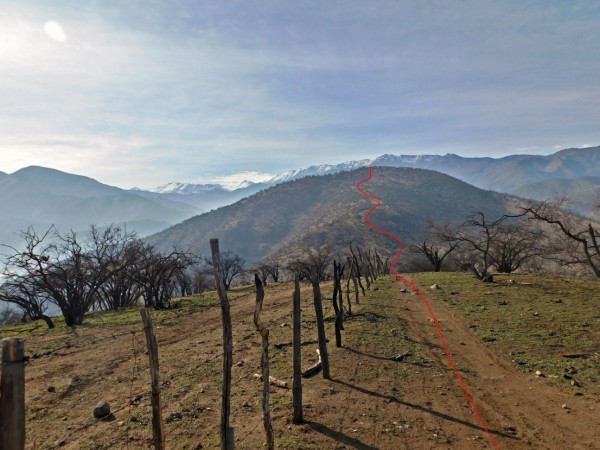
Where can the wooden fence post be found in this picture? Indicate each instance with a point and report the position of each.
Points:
(226, 432)
(157, 421)
(338, 308)
(264, 362)
(12, 395)
(318, 301)
(297, 359)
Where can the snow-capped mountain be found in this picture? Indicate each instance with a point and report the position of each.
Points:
(186, 188)
(323, 169)
(403, 160)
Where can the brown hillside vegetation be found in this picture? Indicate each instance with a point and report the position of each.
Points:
(499, 335)
(329, 209)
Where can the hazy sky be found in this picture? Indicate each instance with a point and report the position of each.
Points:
(139, 93)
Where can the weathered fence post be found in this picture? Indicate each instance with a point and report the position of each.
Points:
(226, 432)
(338, 272)
(352, 275)
(358, 272)
(157, 421)
(297, 359)
(12, 395)
(264, 361)
(314, 279)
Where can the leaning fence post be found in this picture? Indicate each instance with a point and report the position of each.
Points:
(12, 395)
(226, 431)
(157, 421)
(264, 361)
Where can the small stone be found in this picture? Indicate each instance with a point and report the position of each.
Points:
(575, 383)
(133, 419)
(175, 415)
(435, 287)
(51, 388)
(101, 410)
(564, 406)
(240, 363)
(538, 373)
(120, 423)
(283, 325)
(535, 314)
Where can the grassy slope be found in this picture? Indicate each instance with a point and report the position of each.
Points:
(531, 322)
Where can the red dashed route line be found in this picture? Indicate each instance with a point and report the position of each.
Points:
(404, 280)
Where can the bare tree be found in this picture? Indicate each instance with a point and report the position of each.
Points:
(156, 273)
(67, 270)
(262, 270)
(201, 280)
(273, 267)
(516, 244)
(30, 302)
(122, 289)
(232, 266)
(506, 243)
(581, 237)
(10, 315)
(440, 241)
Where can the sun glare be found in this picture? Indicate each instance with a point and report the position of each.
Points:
(55, 31)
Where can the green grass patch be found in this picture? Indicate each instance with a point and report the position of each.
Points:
(530, 320)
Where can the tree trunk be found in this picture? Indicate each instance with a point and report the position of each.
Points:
(48, 320)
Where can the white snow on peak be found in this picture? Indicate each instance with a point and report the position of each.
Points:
(185, 188)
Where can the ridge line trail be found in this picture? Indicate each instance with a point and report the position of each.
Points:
(408, 283)
(517, 406)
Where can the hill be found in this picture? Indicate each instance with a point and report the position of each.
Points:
(39, 197)
(583, 193)
(329, 210)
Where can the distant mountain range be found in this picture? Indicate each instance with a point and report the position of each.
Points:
(39, 197)
(507, 174)
(328, 210)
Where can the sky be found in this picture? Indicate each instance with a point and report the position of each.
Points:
(143, 92)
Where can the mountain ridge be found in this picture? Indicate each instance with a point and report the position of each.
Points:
(504, 174)
(328, 210)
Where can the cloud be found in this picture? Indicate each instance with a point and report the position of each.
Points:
(140, 93)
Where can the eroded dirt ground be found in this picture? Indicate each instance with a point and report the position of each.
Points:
(372, 401)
